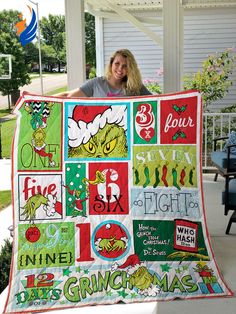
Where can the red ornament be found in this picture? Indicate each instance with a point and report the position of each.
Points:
(32, 234)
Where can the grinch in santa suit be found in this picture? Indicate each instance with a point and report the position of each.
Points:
(39, 112)
(98, 132)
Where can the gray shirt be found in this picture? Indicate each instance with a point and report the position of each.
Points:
(99, 87)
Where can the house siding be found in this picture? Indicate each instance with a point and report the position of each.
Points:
(206, 31)
(120, 34)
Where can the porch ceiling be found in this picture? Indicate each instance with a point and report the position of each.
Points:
(147, 5)
(128, 5)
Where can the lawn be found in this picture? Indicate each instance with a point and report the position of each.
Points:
(5, 199)
(37, 75)
(7, 130)
(5, 112)
(56, 91)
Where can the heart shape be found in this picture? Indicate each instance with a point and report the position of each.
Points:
(147, 134)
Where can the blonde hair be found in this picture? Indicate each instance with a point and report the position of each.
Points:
(132, 83)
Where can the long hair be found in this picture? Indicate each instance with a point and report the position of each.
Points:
(132, 82)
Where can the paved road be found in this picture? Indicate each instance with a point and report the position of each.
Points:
(50, 82)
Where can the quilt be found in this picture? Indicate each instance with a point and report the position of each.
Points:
(108, 203)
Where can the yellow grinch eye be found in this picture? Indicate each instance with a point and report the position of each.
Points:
(90, 148)
(108, 147)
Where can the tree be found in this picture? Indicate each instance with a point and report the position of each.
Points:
(90, 44)
(48, 57)
(4, 67)
(53, 33)
(5, 263)
(10, 44)
(9, 18)
(31, 54)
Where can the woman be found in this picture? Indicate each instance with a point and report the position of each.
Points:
(122, 78)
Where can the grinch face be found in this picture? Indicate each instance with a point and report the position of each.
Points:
(39, 137)
(108, 142)
(141, 278)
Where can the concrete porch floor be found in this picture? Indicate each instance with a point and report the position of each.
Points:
(224, 249)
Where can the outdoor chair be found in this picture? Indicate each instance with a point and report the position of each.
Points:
(223, 160)
(229, 198)
(225, 163)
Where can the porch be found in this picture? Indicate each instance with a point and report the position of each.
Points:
(215, 125)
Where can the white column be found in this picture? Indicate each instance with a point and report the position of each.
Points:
(173, 45)
(99, 46)
(75, 43)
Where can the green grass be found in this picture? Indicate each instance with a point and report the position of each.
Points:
(5, 199)
(5, 112)
(56, 91)
(37, 75)
(7, 132)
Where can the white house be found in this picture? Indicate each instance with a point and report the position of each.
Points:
(170, 35)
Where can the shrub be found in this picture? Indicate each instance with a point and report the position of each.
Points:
(92, 73)
(213, 81)
(153, 86)
(5, 263)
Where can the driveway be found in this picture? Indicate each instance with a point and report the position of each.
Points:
(50, 82)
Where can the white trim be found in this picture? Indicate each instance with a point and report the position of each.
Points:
(155, 5)
(114, 16)
(74, 17)
(128, 5)
(99, 46)
(193, 4)
(173, 45)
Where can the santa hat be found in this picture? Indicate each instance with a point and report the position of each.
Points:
(86, 121)
(132, 260)
(132, 263)
(87, 114)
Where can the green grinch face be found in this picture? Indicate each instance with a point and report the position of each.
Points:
(39, 137)
(141, 278)
(108, 142)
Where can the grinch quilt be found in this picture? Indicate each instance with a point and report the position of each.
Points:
(108, 203)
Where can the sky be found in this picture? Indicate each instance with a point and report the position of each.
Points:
(45, 7)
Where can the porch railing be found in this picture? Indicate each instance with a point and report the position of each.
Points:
(215, 125)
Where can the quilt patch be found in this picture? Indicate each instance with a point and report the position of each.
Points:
(108, 203)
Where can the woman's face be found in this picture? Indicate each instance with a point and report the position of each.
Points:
(119, 68)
